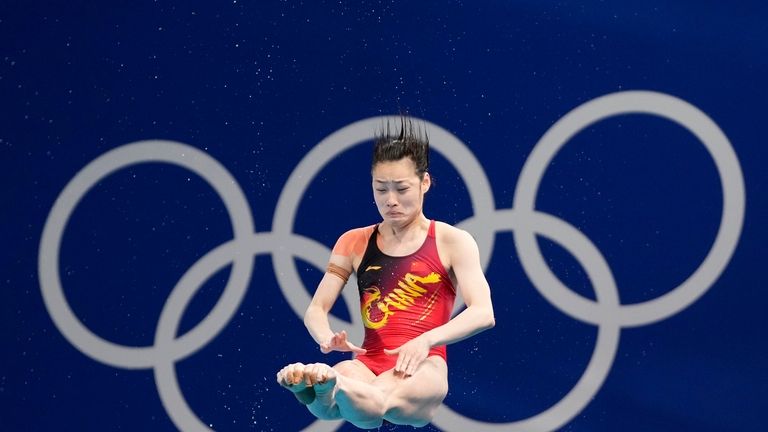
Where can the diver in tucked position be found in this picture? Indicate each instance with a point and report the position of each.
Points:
(408, 269)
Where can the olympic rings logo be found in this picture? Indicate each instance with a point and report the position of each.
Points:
(607, 313)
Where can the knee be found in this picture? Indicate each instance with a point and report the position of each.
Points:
(427, 415)
(416, 412)
(413, 416)
(346, 368)
(374, 417)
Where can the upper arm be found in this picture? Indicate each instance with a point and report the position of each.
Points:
(465, 263)
(346, 254)
(328, 290)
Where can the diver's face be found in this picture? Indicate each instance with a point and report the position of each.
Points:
(398, 190)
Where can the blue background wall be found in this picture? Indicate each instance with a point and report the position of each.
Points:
(256, 86)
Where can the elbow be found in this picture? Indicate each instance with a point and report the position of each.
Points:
(314, 314)
(483, 317)
(308, 316)
(490, 319)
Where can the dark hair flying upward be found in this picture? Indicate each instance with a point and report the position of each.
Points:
(391, 144)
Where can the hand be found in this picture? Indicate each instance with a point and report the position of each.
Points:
(410, 355)
(339, 342)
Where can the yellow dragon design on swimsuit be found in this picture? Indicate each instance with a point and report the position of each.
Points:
(402, 298)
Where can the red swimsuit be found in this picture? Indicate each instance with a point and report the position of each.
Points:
(401, 298)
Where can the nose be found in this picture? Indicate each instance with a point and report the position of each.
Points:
(391, 201)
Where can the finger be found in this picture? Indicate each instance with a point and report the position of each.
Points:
(417, 363)
(355, 349)
(408, 366)
(411, 369)
(391, 351)
(335, 340)
(401, 362)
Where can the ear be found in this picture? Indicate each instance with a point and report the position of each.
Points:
(426, 182)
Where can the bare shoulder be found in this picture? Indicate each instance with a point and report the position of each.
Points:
(455, 245)
(450, 235)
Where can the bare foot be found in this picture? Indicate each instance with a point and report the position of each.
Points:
(320, 376)
(292, 377)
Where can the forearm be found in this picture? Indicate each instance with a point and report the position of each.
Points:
(316, 321)
(471, 321)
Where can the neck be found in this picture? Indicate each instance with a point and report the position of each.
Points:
(401, 232)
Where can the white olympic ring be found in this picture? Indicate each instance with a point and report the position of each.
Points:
(523, 220)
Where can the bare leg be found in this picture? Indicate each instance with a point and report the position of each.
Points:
(325, 391)
(413, 400)
(352, 392)
(393, 397)
(337, 389)
(322, 379)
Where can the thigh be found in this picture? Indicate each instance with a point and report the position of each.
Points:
(413, 400)
(354, 369)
